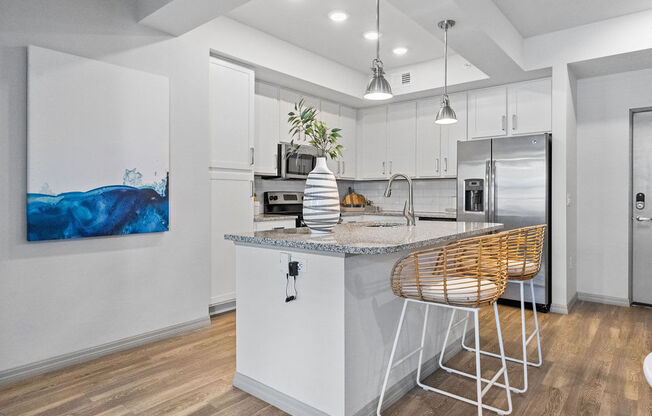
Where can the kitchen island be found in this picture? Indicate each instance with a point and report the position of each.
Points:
(325, 352)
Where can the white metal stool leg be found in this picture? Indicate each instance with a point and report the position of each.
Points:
(524, 341)
(478, 377)
(391, 358)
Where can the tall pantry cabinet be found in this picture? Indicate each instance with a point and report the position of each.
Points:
(231, 106)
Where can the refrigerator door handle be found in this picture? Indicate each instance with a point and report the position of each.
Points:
(493, 191)
(487, 186)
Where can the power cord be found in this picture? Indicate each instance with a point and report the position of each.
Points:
(293, 271)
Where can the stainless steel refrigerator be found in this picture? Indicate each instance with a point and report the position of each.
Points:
(507, 180)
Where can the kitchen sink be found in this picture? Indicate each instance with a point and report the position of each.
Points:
(383, 224)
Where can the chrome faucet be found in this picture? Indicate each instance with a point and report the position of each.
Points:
(408, 208)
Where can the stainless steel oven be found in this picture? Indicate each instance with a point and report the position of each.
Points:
(295, 165)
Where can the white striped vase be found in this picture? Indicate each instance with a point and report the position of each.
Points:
(321, 201)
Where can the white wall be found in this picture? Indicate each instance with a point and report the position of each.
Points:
(64, 296)
(603, 148)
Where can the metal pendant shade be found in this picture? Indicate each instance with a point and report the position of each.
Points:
(378, 87)
(446, 114)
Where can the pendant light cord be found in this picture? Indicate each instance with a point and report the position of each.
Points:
(446, 59)
(378, 30)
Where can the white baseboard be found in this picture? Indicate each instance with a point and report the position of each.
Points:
(608, 300)
(65, 360)
(222, 307)
(562, 308)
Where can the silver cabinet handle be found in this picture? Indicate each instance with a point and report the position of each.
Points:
(639, 218)
(339, 167)
(383, 168)
(252, 188)
(390, 167)
(343, 167)
(251, 152)
(446, 164)
(503, 121)
(437, 165)
(513, 121)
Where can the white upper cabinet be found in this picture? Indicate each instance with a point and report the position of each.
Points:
(402, 138)
(451, 134)
(530, 106)
(487, 112)
(348, 124)
(330, 114)
(287, 99)
(266, 137)
(231, 106)
(373, 160)
(428, 146)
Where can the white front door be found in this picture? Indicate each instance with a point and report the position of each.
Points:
(642, 208)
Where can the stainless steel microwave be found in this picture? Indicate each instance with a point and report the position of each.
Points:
(295, 165)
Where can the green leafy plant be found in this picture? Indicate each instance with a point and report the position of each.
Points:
(304, 126)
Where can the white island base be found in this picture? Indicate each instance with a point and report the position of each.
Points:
(326, 352)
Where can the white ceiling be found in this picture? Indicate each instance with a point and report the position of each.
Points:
(535, 17)
(305, 23)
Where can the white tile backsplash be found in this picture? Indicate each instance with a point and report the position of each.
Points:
(437, 195)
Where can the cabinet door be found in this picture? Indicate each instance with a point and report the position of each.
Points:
(231, 211)
(428, 139)
(451, 134)
(348, 124)
(330, 114)
(231, 107)
(402, 138)
(373, 157)
(488, 112)
(530, 107)
(266, 129)
(287, 99)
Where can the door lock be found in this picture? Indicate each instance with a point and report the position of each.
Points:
(640, 200)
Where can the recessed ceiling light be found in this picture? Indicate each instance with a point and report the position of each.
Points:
(400, 51)
(372, 35)
(338, 16)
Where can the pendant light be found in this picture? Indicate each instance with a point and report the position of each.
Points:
(378, 88)
(446, 115)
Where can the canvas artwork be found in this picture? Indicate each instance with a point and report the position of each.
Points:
(98, 148)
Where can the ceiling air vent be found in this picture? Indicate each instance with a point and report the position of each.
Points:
(406, 78)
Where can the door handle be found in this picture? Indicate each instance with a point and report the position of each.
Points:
(487, 188)
(643, 219)
(493, 191)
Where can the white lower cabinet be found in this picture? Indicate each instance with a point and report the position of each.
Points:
(231, 212)
(274, 225)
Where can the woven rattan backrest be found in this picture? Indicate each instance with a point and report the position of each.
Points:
(470, 272)
(524, 251)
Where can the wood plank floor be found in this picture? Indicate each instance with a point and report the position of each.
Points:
(592, 366)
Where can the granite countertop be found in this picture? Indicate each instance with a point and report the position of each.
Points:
(360, 238)
(427, 214)
(274, 217)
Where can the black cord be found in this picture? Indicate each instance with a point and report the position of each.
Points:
(288, 297)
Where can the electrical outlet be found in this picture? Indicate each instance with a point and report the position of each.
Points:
(284, 259)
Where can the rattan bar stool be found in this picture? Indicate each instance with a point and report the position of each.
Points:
(524, 250)
(466, 275)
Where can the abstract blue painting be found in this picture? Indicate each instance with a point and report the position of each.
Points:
(98, 148)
